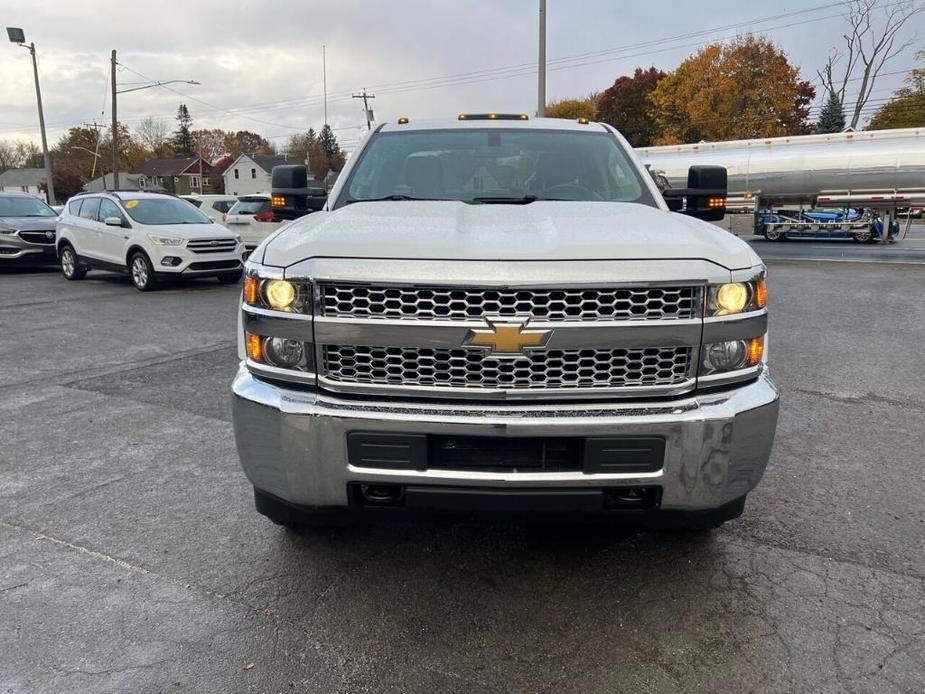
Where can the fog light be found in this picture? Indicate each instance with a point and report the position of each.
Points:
(286, 354)
(280, 294)
(726, 356)
(170, 260)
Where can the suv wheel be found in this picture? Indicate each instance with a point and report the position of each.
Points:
(141, 272)
(70, 267)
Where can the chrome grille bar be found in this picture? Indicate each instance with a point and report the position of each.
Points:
(471, 369)
(340, 300)
(211, 245)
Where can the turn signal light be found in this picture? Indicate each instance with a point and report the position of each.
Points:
(761, 293)
(755, 350)
(251, 290)
(254, 345)
(716, 202)
(278, 200)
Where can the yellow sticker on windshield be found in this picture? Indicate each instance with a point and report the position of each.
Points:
(130, 204)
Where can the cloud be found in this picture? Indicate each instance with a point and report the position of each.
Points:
(262, 60)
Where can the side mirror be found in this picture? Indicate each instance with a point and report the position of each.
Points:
(113, 221)
(705, 195)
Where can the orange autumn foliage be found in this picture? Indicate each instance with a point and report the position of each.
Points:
(742, 89)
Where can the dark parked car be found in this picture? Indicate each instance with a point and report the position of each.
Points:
(27, 230)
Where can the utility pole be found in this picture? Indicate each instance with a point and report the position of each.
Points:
(541, 65)
(18, 36)
(324, 81)
(369, 114)
(115, 128)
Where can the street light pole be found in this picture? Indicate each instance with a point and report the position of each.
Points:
(17, 36)
(115, 128)
(541, 65)
(115, 121)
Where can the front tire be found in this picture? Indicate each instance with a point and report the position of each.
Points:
(70, 266)
(864, 236)
(141, 272)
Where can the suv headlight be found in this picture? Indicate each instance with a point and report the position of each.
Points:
(166, 240)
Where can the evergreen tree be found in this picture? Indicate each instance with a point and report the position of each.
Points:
(332, 154)
(183, 136)
(832, 116)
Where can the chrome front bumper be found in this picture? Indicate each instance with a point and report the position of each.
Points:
(293, 444)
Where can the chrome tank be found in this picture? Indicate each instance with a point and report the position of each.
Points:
(801, 167)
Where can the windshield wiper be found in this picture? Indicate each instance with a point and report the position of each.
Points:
(394, 196)
(523, 200)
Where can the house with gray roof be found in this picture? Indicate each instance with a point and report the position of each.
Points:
(30, 181)
(127, 181)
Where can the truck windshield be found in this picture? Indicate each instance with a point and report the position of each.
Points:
(494, 165)
(15, 206)
(163, 211)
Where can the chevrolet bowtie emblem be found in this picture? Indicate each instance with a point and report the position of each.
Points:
(507, 337)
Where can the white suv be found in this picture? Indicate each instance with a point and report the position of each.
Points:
(149, 235)
(252, 217)
(214, 206)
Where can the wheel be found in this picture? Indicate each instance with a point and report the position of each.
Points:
(774, 235)
(141, 272)
(70, 267)
(230, 277)
(863, 236)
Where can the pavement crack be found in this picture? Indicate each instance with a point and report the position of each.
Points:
(859, 398)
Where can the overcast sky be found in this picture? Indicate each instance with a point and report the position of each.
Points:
(262, 60)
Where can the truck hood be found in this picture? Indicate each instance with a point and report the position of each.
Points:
(29, 223)
(550, 230)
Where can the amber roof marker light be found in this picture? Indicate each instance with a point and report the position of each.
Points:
(493, 116)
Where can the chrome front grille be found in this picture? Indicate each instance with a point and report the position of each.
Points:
(211, 245)
(459, 304)
(472, 369)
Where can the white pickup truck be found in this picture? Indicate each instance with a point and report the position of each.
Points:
(499, 314)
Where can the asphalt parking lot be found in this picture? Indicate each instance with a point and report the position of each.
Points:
(131, 558)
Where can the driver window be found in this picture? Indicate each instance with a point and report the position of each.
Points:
(109, 209)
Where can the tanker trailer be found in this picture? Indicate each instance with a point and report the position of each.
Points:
(862, 178)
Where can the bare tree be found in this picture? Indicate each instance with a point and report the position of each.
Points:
(155, 134)
(870, 43)
(18, 154)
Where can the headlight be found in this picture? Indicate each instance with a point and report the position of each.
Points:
(737, 297)
(166, 240)
(276, 318)
(7, 231)
(732, 355)
(280, 294)
(280, 352)
(277, 294)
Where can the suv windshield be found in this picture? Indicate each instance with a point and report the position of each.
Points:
(250, 207)
(494, 165)
(16, 206)
(163, 211)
